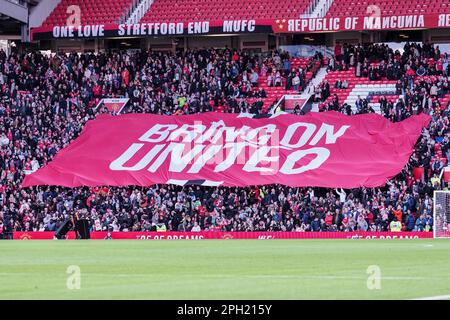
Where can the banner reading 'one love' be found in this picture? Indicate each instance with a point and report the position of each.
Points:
(319, 149)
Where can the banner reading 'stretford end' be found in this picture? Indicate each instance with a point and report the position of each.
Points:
(319, 149)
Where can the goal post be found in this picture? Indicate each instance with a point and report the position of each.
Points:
(441, 214)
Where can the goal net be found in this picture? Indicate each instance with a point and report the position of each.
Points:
(441, 214)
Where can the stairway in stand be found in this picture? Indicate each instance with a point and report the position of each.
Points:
(275, 93)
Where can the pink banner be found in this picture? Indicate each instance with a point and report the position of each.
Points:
(231, 235)
(319, 149)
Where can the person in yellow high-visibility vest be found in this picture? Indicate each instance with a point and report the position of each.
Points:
(161, 227)
(395, 225)
(261, 194)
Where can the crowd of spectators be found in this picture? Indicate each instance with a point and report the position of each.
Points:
(46, 100)
(421, 72)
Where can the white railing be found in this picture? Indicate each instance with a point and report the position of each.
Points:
(139, 11)
(309, 10)
(317, 9)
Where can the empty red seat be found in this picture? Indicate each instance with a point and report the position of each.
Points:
(385, 7)
(91, 11)
(188, 10)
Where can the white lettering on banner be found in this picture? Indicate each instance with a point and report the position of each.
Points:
(63, 32)
(190, 132)
(121, 30)
(322, 155)
(330, 136)
(394, 22)
(198, 27)
(257, 135)
(444, 21)
(230, 133)
(351, 23)
(234, 150)
(148, 29)
(170, 237)
(369, 23)
(239, 25)
(174, 237)
(180, 156)
(82, 31)
(208, 134)
(118, 164)
(180, 28)
(91, 31)
(156, 130)
(56, 32)
(217, 144)
(310, 128)
(315, 24)
(204, 158)
(260, 155)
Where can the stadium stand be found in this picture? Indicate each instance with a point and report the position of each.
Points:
(356, 86)
(47, 100)
(368, 78)
(386, 7)
(274, 92)
(109, 12)
(92, 12)
(199, 10)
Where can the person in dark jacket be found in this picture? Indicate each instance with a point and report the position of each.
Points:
(315, 225)
(410, 222)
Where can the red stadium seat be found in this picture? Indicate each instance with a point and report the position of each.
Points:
(187, 10)
(418, 173)
(91, 11)
(387, 7)
(446, 174)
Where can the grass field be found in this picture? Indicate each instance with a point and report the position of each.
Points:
(225, 269)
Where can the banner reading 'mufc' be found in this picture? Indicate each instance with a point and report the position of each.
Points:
(319, 149)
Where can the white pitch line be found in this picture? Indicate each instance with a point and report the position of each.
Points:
(215, 275)
(444, 297)
(251, 276)
(321, 277)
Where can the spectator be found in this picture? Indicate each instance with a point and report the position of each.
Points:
(296, 82)
(395, 225)
(254, 78)
(277, 79)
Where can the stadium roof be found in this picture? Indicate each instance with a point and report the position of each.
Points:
(9, 25)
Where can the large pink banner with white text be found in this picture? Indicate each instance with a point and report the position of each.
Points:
(211, 235)
(319, 149)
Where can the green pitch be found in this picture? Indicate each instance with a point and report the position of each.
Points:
(225, 269)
